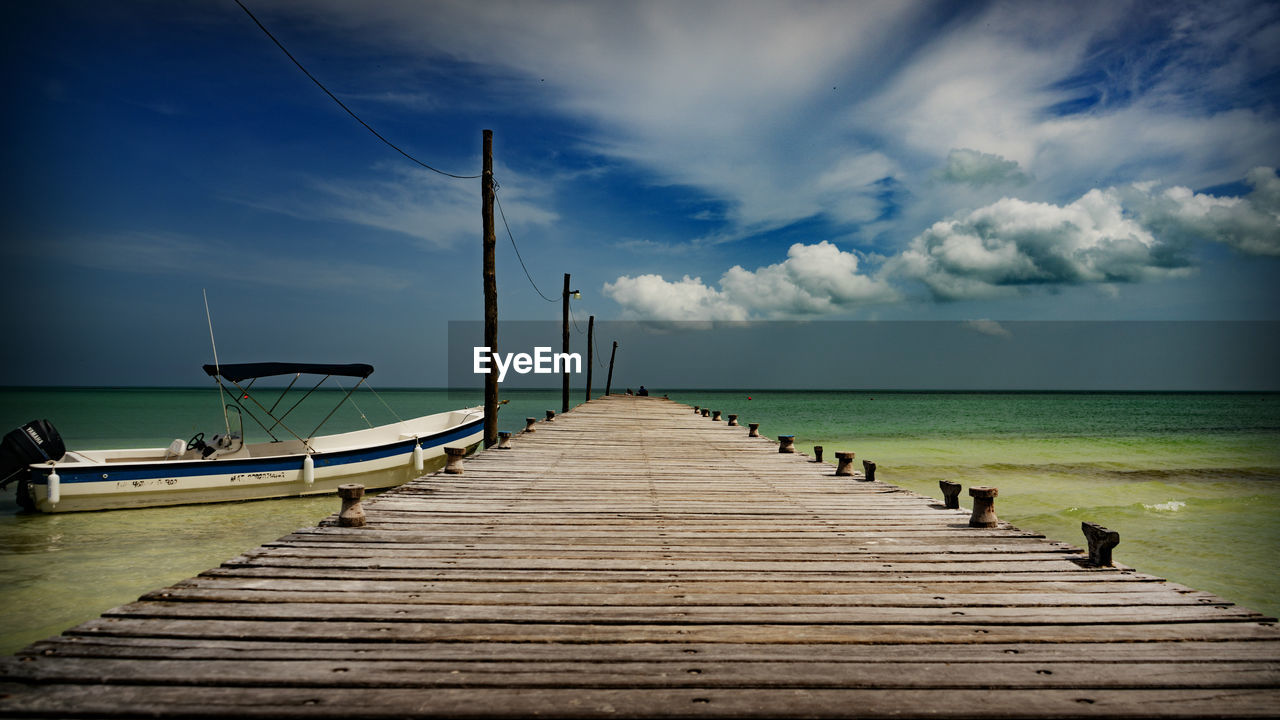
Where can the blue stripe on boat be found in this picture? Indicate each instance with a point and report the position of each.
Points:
(118, 472)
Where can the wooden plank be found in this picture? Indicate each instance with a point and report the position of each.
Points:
(633, 674)
(96, 700)
(1176, 650)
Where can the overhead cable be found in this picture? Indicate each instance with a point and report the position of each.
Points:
(513, 245)
(342, 105)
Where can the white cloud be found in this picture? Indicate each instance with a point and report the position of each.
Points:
(1249, 224)
(970, 167)
(814, 280)
(1124, 234)
(651, 297)
(437, 212)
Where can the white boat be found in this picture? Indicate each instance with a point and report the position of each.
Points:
(53, 479)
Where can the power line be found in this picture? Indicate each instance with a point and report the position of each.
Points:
(513, 245)
(342, 105)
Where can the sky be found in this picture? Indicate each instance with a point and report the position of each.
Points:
(982, 163)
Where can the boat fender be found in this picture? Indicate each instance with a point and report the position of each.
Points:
(308, 470)
(55, 487)
(417, 456)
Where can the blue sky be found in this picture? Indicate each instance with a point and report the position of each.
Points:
(684, 161)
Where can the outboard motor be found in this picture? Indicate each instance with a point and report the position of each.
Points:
(36, 442)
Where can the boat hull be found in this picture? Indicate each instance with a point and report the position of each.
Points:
(378, 458)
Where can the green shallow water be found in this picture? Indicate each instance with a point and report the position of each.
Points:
(63, 569)
(1191, 482)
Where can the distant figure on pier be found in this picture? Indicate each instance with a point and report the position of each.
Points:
(642, 391)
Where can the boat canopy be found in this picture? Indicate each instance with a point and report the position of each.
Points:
(251, 371)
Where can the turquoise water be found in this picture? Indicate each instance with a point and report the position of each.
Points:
(1191, 482)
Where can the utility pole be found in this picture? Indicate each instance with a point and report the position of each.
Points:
(591, 331)
(490, 294)
(564, 342)
(608, 384)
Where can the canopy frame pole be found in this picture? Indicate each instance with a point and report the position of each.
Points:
(280, 420)
(285, 392)
(335, 407)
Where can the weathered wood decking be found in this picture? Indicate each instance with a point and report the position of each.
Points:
(631, 559)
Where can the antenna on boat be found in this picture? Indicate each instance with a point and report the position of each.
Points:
(222, 400)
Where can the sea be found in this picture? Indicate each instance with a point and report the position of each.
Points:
(1191, 481)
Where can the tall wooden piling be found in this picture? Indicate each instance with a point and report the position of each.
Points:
(490, 277)
(608, 383)
(591, 346)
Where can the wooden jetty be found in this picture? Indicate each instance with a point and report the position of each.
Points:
(635, 559)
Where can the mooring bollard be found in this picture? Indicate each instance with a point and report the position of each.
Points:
(844, 463)
(733, 420)
(1101, 540)
(786, 443)
(551, 415)
(697, 409)
(868, 471)
(950, 494)
(352, 513)
(984, 507)
(817, 453)
(706, 412)
(504, 439)
(529, 423)
(715, 414)
(453, 464)
(753, 429)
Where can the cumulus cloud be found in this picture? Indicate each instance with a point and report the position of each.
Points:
(970, 167)
(1114, 235)
(815, 279)
(653, 297)
(1249, 224)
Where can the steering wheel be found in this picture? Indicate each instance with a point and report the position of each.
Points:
(196, 441)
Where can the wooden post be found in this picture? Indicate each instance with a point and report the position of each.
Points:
(564, 345)
(753, 429)
(1101, 541)
(950, 494)
(551, 415)
(984, 507)
(453, 461)
(733, 420)
(786, 443)
(504, 439)
(844, 463)
(591, 358)
(868, 471)
(490, 294)
(528, 424)
(715, 414)
(352, 513)
(608, 383)
(817, 453)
